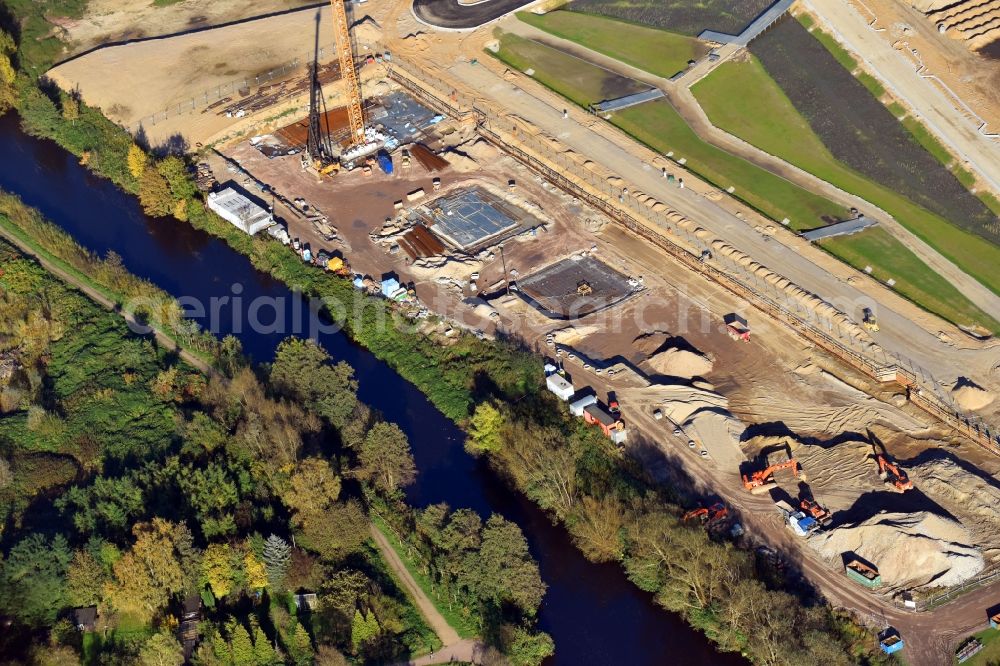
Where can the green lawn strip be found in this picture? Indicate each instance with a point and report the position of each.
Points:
(832, 45)
(42, 253)
(460, 623)
(766, 118)
(889, 258)
(579, 81)
(660, 127)
(990, 200)
(927, 140)
(990, 654)
(656, 51)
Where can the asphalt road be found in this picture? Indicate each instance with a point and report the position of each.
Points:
(594, 139)
(451, 15)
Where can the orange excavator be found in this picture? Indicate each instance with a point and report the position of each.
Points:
(760, 481)
(717, 511)
(892, 474)
(818, 512)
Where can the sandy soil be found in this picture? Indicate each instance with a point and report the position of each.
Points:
(975, 78)
(109, 21)
(192, 71)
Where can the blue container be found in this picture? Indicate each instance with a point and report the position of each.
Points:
(385, 162)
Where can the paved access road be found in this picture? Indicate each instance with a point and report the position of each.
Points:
(684, 101)
(922, 95)
(594, 139)
(452, 15)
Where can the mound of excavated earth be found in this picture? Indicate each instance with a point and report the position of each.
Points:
(964, 494)
(648, 343)
(970, 396)
(909, 549)
(680, 363)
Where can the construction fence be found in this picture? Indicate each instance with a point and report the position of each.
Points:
(238, 87)
(622, 206)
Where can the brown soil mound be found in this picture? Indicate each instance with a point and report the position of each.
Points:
(646, 344)
(680, 363)
(970, 396)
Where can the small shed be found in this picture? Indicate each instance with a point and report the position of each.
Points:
(560, 386)
(239, 211)
(612, 427)
(390, 286)
(549, 368)
(577, 406)
(306, 601)
(85, 618)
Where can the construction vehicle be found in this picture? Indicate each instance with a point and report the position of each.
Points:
(763, 480)
(737, 327)
(811, 508)
(869, 321)
(717, 511)
(888, 471)
(892, 474)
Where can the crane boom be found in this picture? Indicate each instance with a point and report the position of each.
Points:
(347, 72)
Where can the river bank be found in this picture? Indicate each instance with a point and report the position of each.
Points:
(593, 613)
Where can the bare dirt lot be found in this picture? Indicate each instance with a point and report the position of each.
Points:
(185, 85)
(109, 21)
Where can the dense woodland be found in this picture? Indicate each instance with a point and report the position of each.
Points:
(612, 512)
(134, 484)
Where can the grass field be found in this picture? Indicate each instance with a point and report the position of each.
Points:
(766, 118)
(990, 654)
(657, 51)
(661, 128)
(860, 132)
(464, 625)
(575, 79)
(689, 17)
(891, 259)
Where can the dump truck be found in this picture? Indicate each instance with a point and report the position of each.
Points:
(812, 508)
(863, 573)
(737, 327)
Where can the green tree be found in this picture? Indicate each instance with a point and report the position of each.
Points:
(327, 655)
(312, 487)
(8, 76)
(162, 649)
(152, 571)
(385, 458)
(70, 106)
(506, 571)
(84, 579)
(154, 193)
(528, 648)
(484, 429)
(241, 645)
(263, 651)
(217, 569)
(277, 555)
(363, 629)
(33, 579)
(300, 646)
(136, 161)
(175, 172)
(302, 370)
(337, 531)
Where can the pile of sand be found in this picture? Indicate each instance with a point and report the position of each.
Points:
(970, 396)
(909, 549)
(676, 362)
(961, 492)
(482, 151)
(647, 343)
(460, 162)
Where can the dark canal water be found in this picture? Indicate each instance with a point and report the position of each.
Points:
(592, 612)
